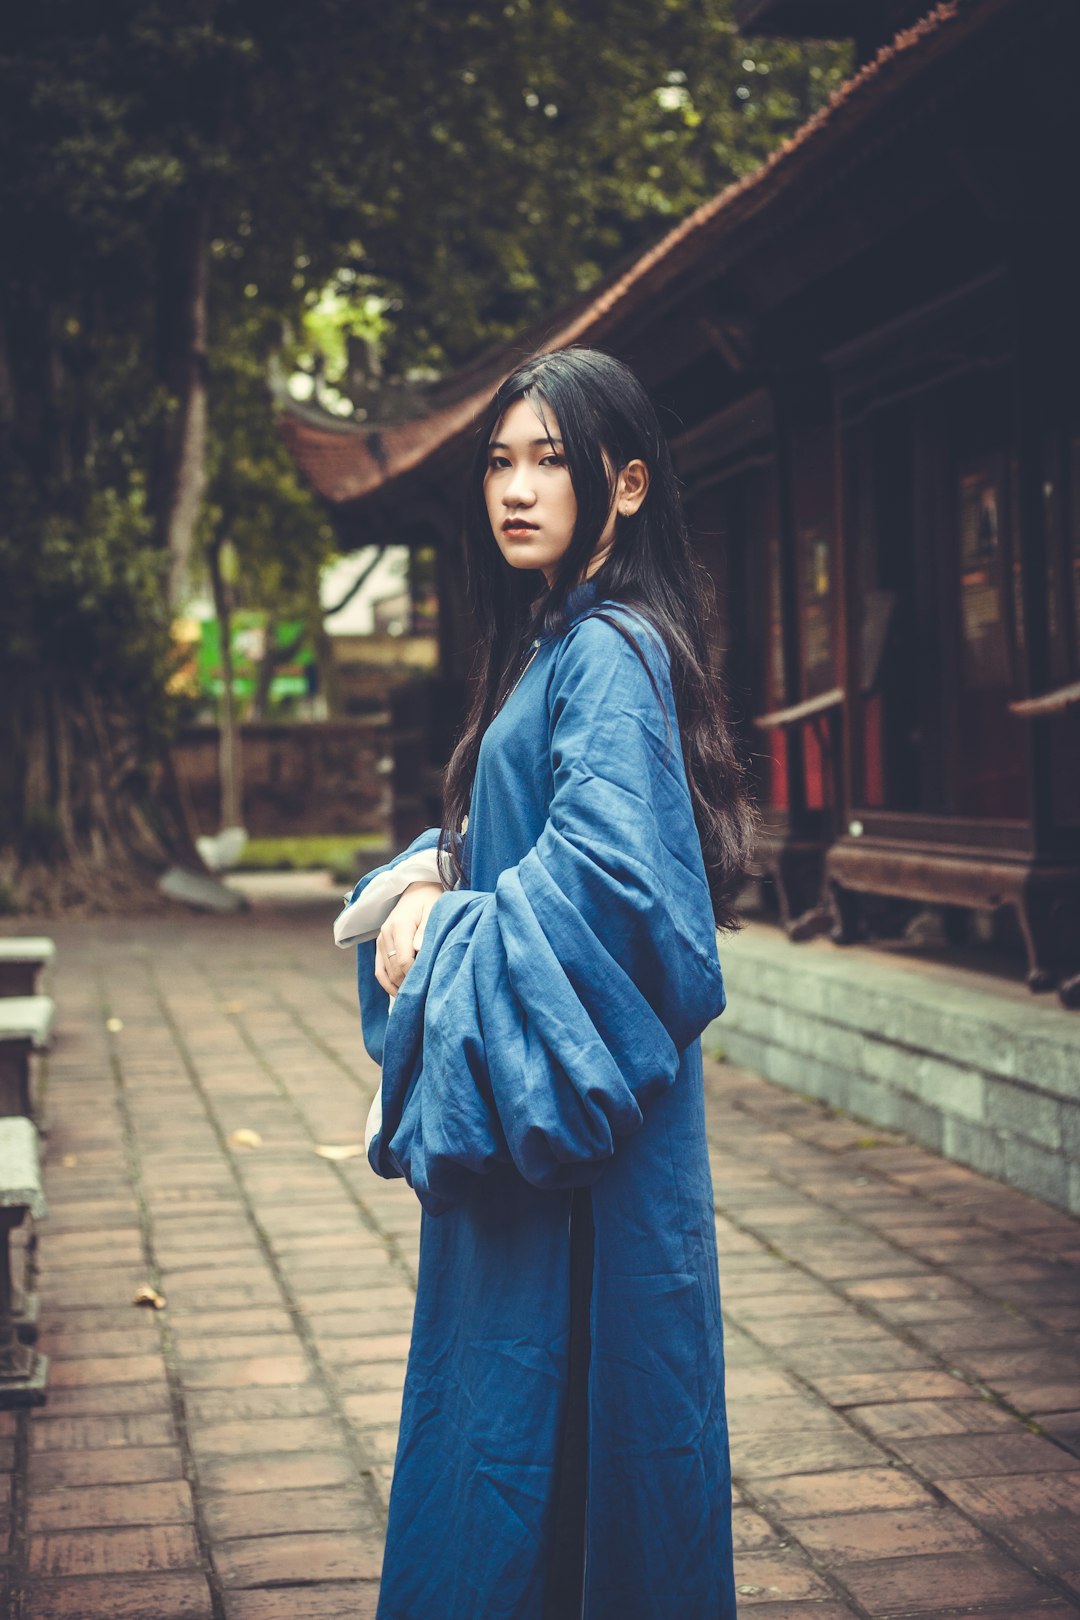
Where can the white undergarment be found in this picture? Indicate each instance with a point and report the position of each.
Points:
(362, 918)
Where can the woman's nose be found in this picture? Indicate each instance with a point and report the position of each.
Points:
(518, 490)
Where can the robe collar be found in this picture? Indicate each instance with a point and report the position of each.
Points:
(580, 598)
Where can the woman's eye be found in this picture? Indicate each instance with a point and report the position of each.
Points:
(496, 462)
(553, 461)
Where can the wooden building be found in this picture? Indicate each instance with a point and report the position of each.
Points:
(867, 355)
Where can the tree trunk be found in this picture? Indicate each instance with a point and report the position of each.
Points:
(326, 664)
(260, 702)
(230, 768)
(183, 299)
(229, 764)
(89, 812)
(87, 823)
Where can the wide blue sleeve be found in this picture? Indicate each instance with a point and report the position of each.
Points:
(538, 1021)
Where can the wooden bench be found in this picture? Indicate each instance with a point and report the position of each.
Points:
(23, 1370)
(1044, 896)
(25, 1031)
(23, 963)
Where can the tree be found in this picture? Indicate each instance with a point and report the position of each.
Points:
(186, 187)
(261, 536)
(553, 143)
(134, 135)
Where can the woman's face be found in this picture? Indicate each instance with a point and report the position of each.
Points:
(530, 500)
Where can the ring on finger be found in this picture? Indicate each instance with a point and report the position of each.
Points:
(391, 953)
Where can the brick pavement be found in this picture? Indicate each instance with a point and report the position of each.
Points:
(904, 1386)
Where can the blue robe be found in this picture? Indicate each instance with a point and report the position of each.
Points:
(546, 1039)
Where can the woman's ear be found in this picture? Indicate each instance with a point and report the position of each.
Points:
(632, 488)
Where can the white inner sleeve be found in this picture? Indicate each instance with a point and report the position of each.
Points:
(364, 916)
(362, 919)
(374, 1119)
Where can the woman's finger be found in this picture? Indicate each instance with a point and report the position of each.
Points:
(381, 975)
(400, 936)
(397, 952)
(418, 936)
(403, 945)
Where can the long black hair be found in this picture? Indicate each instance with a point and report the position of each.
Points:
(605, 420)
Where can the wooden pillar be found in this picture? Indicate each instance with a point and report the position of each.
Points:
(784, 397)
(1038, 305)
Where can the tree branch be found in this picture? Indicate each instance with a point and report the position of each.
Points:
(361, 579)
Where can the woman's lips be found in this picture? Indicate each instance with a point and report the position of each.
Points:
(519, 528)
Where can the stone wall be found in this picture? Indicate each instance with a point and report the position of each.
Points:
(317, 778)
(975, 1068)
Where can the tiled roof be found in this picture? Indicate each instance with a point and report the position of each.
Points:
(344, 462)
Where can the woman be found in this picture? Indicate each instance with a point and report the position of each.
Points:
(550, 957)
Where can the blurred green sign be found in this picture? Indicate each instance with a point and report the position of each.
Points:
(248, 637)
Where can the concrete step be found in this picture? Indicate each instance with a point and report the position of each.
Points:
(971, 1066)
(27, 1018)
(23, 962)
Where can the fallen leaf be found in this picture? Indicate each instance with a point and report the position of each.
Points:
(339, 1150)
(69, 1161)
(148, 1295)
(245, 1139)
(114, 1025)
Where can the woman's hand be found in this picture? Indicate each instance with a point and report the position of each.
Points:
(402, 934)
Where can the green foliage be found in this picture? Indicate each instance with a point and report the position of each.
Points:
(535, 146)
(386, 190)
(421, 180)
(339, 313)
(306, 854)
(254, 496)
(81, 598)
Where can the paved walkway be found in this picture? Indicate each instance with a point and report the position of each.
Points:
(904, 1387)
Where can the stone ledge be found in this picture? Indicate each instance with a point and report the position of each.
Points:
(965, 1066)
